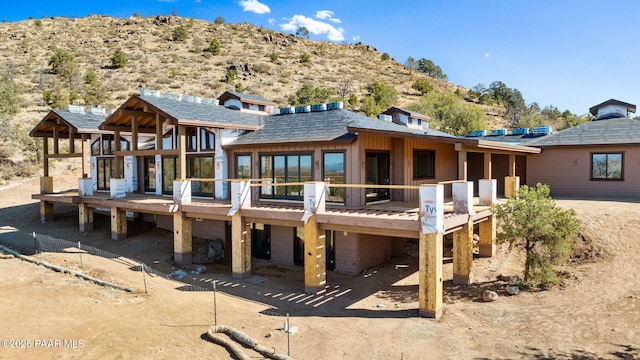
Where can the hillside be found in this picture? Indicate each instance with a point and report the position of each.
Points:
(267, 63)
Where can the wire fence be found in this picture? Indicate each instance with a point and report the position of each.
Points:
(45, 243)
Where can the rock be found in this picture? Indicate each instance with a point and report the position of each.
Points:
(512, 290)
(216, 250)
(511, 279)
(270, 334)
(489, 296)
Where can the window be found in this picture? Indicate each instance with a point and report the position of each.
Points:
(243, 166)
(424, 164)
(169, 141)
(285, 169)
(105, 172)
(170, 169)
(105, 145)
(200, 167)
(192, 139)
(207, 140)
(333, 173)
(607, 166)
(95, 148)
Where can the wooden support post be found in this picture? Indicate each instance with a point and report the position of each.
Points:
(118, 224)
(118, 160)
(158, 132)
(45, 159)
(86, 157)
(487, 165)
(72, 143)
(512, 164)
(46, 211)
(56, 140)
(182, 239)
(85, 214)
(182, 134)
(430, 275)
(240, 247)
(487, 233)
(462, 162)
(46, 185)
(430, 251)
(134, 133)
(463, 254)
(315, 273)
(511, 186)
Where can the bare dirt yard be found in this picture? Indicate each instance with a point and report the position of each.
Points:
(50, 315)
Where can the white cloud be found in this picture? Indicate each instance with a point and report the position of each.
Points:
(356, 38)
(198, 1)
(486, 55)
(254, 6)
(314, 26)
(327, 15)
(272, 21)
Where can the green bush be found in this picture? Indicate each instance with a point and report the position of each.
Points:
(239, 87)
(273, 56)
(38, 23)
(214, 47)
(305, 58)
(179, 34)
(231, 76)
(119, 60)
(422, 85)
(385, 57)
(219, 20)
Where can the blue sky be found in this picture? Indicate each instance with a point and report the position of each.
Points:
(569, 54)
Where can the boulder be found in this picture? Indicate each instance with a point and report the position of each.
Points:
(489, 296)
(512, 290)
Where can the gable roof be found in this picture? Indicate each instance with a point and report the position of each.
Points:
(630, 107)
(601, 132)
(329, 125)
(67, 121)
(413, 114)
(179, 112)
(252, 99)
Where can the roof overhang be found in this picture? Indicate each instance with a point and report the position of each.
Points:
(53, 124)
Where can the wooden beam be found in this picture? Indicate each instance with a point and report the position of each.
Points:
(512, 164)
(86, 156)
(85, 214)
(62, 156)
(149, 152)
(129, 112)
(46, 211)
(56, 144)
(315, 273)
(402, 233)
(463, 254)
(126, 129)
(72, 144)
(430, 287)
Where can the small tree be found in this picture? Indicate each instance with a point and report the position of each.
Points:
(534, 222)
(119, 60)
(179, 34)
(219, 20)
(385, 57)
(302, 32)
(273, 56)
(422, 85)
(231, 76)
(63, 64)
(305, 58)
(214, 47)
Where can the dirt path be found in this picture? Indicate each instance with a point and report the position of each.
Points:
(374, 316)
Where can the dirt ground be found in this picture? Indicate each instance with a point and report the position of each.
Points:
(46, 314)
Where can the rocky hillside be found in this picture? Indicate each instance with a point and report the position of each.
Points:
(265, 62)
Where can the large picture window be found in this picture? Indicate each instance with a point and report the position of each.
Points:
(105, 172)
(424, 164)
(607, 166)
(333, 173)
(285, 169)
(201, 167)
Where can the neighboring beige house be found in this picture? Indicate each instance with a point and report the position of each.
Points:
(599, 159)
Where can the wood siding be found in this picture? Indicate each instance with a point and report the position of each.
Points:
(567, 171)
(347, 250)
(373, 250)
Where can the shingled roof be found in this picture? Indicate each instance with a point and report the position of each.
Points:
(80, 122)
(322, 126)
(185, 111)
(601, 132)
(253, 99)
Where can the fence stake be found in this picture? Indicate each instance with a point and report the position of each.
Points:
(144, 279)
(215, 307)
(288, 336)
(80, 248)
(35, 242)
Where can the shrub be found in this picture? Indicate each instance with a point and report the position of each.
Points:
(63, 63)
(239, 87)
(38, 23)
(179, 34)
(385, 57)
(273, 56)
(533, 222)
(119, 60)
(305, 58)
(422, 85)
(219, 20)
(214, 47)
(231, 76)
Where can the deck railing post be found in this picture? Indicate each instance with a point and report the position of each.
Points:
(430, 251)
(315, 273)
